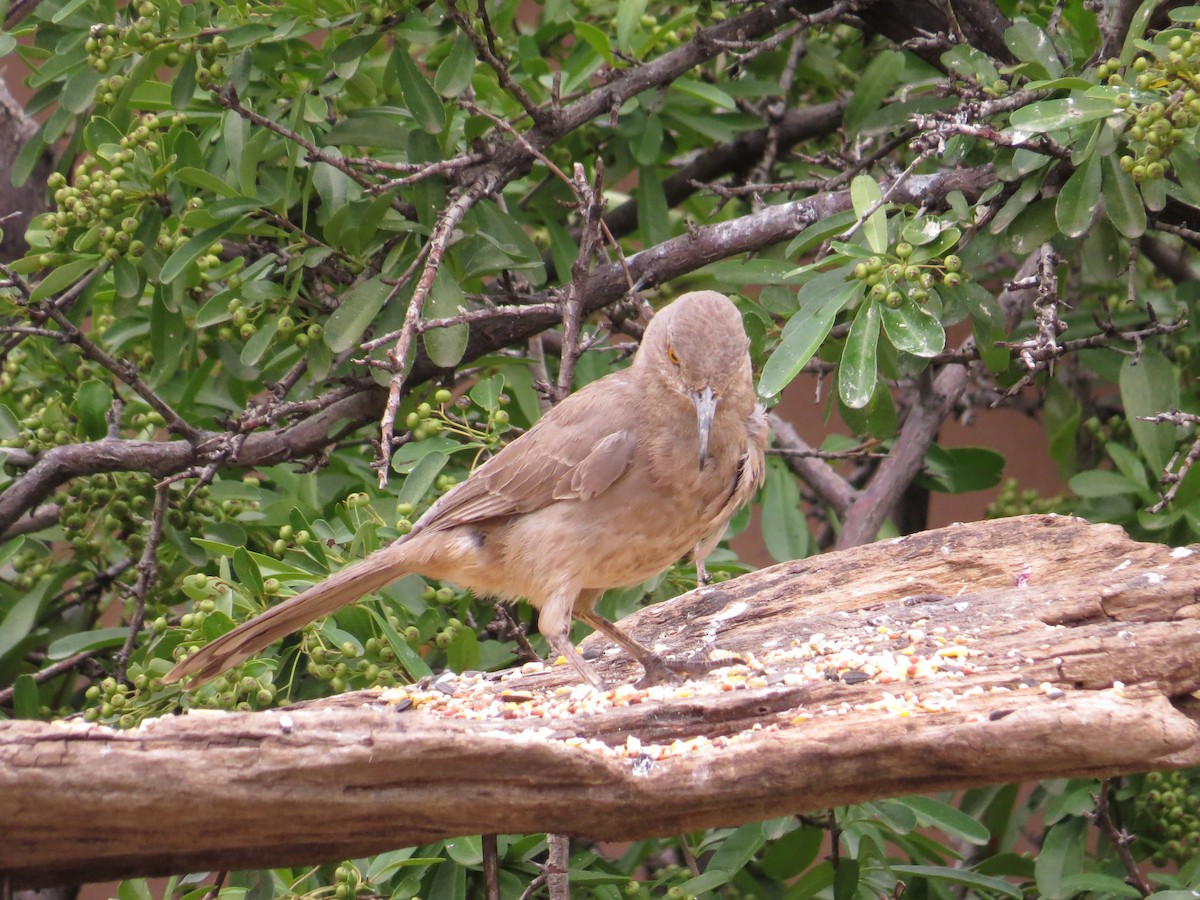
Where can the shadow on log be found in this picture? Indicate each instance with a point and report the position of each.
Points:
(1026, 648)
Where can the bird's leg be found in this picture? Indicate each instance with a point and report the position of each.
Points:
(655, 668)
(561, 645)
(554, 622)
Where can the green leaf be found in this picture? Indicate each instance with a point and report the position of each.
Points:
(1062, 855)
(1101, 483)
(1137, 28)
(423, 474)
(859, 369)
(784, 528)
(183, 86)
(454, 74)
(710, 94)
(93, 400)
(355, 47)
(793, 853)
(178, 261)
(127, 280)
(1122, 202)
(1033, 226)
(1059, 115)
(959, 470)
(913, 329)
(20, 619)
(1187, 170)
(80, 89)
(877, 81)
(86, 640)
(258, 344)
(202, 179)
(647, 142)
(729, 859)
(757, 270)
(25, 692)
(445, 346)
(820, 301)
(420, 97)
(10, 429)
(819, 231)
(877, 419)
(865, 194)
(355, 314)
(629, 16)
(953, 822)
(962, 876)
(366, 128)
(63, 277)
(1097, 883)
(1061, 414)
(594, 37)
(466, 851)
(654, 222)
(486, 394)
(845, 880)
(816, 879)
(405, 655)
(247, 570)
(1079, 198)
(1151, 386)
(1031, 45)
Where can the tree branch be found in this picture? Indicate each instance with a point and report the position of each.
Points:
(856, 691)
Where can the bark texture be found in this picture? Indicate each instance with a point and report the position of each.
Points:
(1062, 649)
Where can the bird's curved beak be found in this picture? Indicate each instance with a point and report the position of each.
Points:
(705, 402)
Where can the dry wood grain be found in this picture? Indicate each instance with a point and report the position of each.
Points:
(1079, 659)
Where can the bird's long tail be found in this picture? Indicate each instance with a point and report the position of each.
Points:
(319, 600)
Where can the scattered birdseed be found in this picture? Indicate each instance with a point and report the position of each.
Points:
(919, 664)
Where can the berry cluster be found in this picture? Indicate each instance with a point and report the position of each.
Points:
(106, 505)
(890, 280)
(102, 208)
(348, 666)
(1163, 102)
(1168, 814)
(426, 422)
(1011, 501)
(42, 427)
(245, 315)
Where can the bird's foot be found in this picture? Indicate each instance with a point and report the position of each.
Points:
(660, 669)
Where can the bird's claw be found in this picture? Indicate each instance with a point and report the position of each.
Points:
(660, 669)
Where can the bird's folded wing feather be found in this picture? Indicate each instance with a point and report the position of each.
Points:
(576, 451)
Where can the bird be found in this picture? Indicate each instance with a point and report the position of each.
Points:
(608, 489)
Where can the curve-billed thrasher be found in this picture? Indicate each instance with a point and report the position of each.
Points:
(608, 489)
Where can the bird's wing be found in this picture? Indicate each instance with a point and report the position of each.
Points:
(576, 451)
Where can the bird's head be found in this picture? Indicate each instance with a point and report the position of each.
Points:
(697, 347)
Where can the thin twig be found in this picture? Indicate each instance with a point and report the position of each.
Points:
(1101, 817)
(147, 576)
(558, 882)
(491, 867)
(449, 220)
(590, 199)
(1171, 476)
(51, 671)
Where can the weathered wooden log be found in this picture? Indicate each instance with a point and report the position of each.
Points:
(1025, 648)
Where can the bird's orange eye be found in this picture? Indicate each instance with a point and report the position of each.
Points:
(671, 355)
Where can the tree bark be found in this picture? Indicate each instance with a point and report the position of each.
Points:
(18, 205)
(1039, 647)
